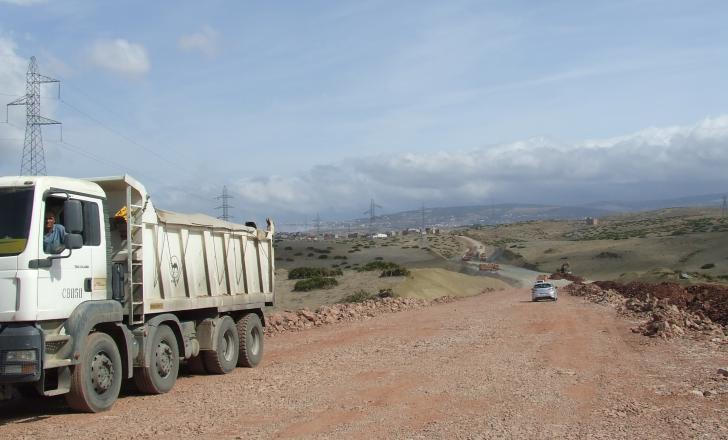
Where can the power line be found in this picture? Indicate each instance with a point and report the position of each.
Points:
(123, 136)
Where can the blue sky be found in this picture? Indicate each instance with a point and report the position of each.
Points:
(305, 107)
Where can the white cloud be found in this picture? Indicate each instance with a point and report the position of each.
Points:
(204, 41)
(120, 56)
(676, 159)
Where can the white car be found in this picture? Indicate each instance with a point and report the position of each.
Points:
(544, 291)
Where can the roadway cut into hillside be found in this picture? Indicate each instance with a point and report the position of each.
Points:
(494, 365)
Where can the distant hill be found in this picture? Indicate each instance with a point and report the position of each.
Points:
(691, 201)
(513, 212)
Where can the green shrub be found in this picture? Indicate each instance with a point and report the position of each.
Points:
(385, 293)
(323, 257)
(357, 297)
(707, 266)
(397, 272)
(288, 248)
(298, 254)
(311, 272)
(315, 283)
(340, 257)
(378, 265)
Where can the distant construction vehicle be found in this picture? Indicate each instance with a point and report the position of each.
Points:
(489, 267)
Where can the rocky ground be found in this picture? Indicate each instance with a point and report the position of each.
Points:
(490, 366)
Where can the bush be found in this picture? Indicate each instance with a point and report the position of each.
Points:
(379, 265)
(298, 254)
(323, 257)
(309, 255)
(357, 297)
(288, 248)
(315, 283)
(398, 272)
(707, 266)
(340, 257)
(379, 258)
(300, 273)
(385, 293)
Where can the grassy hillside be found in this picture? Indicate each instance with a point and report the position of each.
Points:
(651, 246)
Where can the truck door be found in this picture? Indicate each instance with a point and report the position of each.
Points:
(70, 281)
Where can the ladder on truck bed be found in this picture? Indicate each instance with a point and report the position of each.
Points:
(134, 266)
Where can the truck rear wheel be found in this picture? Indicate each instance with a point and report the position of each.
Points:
(250, 334)
(163, 368)
(96, 380)
(225, 357)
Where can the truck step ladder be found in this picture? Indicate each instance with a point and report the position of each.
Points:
(135, 267)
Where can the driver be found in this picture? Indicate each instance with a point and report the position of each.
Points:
(54, 234)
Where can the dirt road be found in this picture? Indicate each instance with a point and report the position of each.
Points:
(491, 366)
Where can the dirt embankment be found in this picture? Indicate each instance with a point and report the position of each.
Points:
(663, 310)
(302, 319)
(708, 299)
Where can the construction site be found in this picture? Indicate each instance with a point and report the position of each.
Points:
(355, 220)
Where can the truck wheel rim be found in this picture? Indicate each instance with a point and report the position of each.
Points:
(164, 359)
(228, 342)
(254, 341)
(102, 372)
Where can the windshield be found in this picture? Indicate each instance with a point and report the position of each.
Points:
(542, 286)
(16, 205)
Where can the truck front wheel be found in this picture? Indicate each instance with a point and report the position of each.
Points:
(163, 368)
(96, 380)
(224, 359)
(250, 333)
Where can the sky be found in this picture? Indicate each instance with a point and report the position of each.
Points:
(301, 108)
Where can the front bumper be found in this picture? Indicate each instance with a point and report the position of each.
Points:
(20, 337)
(545, 295)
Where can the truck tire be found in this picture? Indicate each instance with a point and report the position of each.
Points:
(96, 379)
(250, 334)
(225, 357)
(163, 368)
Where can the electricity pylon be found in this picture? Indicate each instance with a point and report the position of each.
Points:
(33, 162)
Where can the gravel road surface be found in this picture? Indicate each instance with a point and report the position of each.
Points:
(491, 366)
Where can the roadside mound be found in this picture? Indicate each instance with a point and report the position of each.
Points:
(668, 315)
(302, 319)
(708, 299)
(434, 283)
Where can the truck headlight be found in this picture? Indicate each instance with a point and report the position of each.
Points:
(21, 356)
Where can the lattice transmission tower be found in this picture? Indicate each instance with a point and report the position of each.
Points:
(372, 211)
(317, 223)
(33, 162)
(423, 230)
(225, 206)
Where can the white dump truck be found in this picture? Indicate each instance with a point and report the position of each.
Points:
(122, 290)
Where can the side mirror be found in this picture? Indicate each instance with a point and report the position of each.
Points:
(73, 241)
(73, 217)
